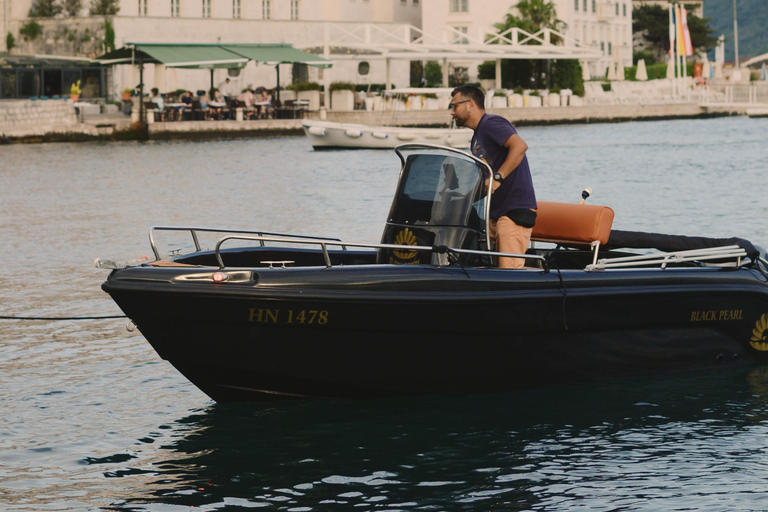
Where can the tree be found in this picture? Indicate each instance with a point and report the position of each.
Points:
(73, 7)
(535, 15)
(433, 72)
(104, 7)
(45, 9)
(652, 23)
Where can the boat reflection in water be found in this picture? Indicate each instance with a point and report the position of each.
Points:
(271, 316)
(525, 449)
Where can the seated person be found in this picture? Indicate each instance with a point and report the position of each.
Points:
(202, 97)
(248, 99)
(187, 100)
(158, 101)
(267, 99)
(216, 104)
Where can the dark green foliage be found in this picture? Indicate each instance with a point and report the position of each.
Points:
(45, 9)
(342, 86)
(417, 71)
(534, 16)
(648, 56)
(104, 7)
(433, 72)
(73, 7)
(305, 86)
(31, 30)
(653, 22)
(10, 42)
(567, 74)
(517, 73)
(486, 70)
(109, 36)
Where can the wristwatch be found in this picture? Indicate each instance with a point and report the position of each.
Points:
(498, 177)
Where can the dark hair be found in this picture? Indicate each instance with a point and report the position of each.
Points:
(155, 90)
(471, 92)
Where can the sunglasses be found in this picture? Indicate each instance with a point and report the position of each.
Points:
(452, 106)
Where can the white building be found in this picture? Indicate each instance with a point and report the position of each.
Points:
(602, 25)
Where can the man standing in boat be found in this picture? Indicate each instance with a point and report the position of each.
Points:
(513, 200)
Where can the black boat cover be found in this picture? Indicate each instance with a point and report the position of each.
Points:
(673, 243)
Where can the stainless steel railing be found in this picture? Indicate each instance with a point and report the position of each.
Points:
(196, 240)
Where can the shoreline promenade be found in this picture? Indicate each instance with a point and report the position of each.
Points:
(22, 122)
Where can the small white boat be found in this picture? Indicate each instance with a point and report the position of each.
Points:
(329, 135)
(757, 112)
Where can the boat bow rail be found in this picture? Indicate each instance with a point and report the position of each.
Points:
(194, 231)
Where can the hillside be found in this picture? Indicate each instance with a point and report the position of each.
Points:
(752, 17)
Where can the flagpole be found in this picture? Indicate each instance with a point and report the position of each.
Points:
(672, 58)
(735, 35)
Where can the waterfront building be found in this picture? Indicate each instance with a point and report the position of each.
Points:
(603, 26)
(334, 29)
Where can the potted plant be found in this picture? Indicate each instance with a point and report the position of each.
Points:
(307, 91)
(499, 99)
(74, 91)
(342, 96)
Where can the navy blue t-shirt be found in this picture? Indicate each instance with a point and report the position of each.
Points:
(488, 144)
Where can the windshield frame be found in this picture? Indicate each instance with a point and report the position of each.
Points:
(483, 166)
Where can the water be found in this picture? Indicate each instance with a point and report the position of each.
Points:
(92, 419)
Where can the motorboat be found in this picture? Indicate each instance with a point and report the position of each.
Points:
(261, 315)
(331, 135)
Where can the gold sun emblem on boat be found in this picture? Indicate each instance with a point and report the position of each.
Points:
(405, 237)
(758, 341)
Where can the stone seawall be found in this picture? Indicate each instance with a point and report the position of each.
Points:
(27, 117)
(55, 120)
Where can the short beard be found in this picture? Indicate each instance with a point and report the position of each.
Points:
(459, 121)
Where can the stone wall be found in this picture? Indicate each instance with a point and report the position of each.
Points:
(44, 115)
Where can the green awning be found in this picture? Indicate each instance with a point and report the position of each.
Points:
(209, 56)
(205, 56)
(277, 54)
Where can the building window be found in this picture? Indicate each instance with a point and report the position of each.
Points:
(617, 9)
(459, 37)
(459, 6)
(624, 8)
(206, 8)
(142, 7)
(585, 5)
(175, 8)
(610, 49)
(415, 2)
(294, 9)
(266, 9)
(576, 5)
(594, 6)
(236, 11)
(602, 47)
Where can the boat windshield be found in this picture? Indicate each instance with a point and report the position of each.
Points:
(440, 189)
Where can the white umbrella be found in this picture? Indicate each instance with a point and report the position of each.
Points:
(671, 67)
(620, 71)
(611, 72)
(642, 72)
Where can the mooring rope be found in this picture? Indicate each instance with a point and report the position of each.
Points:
(55, 318)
